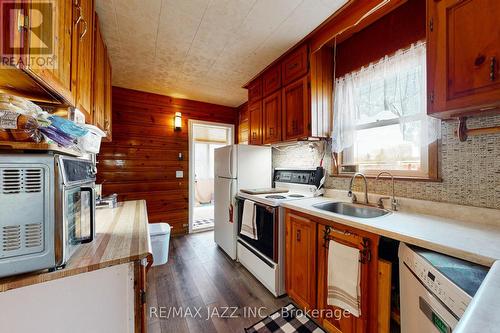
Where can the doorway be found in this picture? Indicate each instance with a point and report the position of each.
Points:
(204, 138)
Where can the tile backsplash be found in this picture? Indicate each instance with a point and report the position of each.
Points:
(470, 170)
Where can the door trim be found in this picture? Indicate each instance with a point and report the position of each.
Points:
(191, 165)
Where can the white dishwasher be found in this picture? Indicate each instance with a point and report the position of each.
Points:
(435, 289)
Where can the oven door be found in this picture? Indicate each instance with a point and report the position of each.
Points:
(79, 216)
(266, 218)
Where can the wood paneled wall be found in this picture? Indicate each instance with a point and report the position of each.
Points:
(141, 161)
(394, 31)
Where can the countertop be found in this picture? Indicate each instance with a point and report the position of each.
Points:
(122, 236)
(479, 243)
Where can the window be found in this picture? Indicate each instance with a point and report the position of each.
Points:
(380, 118)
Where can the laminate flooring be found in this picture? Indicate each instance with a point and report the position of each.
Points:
(201, 289)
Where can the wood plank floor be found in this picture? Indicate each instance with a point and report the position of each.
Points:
(198, 276)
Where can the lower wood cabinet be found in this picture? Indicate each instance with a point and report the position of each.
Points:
(300, 265)
(368, 247)
(306, 251)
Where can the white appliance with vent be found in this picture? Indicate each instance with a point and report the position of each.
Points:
(435, 289)
(47, 209)
(236, 166)
(264, 257)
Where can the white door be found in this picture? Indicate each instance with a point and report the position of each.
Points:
(224, 221)
(225, 162)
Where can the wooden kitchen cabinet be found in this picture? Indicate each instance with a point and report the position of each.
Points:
(39, 65)
(255, 90)
(55, 71)
(108, 107)
(300, 259)
(296, 110)
(99, 77)
(271, 113)
(368, 246)
(463, 57)
(255, 123)
(295, 65)
(83, 42)
(271, 80)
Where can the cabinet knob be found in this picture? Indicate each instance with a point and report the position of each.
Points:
(298, 235)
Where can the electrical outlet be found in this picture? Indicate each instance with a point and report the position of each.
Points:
(179, 174)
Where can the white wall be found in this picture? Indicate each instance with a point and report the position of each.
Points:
(98, 301)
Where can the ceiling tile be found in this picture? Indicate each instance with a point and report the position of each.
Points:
(202, 49)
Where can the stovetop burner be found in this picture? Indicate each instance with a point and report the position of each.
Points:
(296, 196)
(275, 196)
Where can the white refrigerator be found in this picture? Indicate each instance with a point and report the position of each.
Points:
(236, 167)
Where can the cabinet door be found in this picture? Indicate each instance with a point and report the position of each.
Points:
(243, 124)
(255, 123)
(295, 65)
(296, 110)
(83, 55)
(300, 257)
(464, 56)
(50, 47)
(255, 90)
(108, 110)
(367, 322)
(271, 80)
(99, 79)
(271, 111)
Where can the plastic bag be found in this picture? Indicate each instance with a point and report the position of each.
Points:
(67, 126)
(53, 134)
(18, 127)
(19, 105)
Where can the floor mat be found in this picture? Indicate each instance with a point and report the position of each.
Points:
(203, 223)
(289, 319)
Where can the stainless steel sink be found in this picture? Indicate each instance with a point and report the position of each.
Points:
(349, 209)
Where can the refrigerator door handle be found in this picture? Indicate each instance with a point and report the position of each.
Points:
(231, 162)
(231, 213)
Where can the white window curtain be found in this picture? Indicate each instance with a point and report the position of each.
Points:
(393, 89)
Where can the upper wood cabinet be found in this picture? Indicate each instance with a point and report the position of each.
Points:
(368, 247)
(54, 72)
(108, 100)
(255, 90)
(243, 124)
(271, 114)
(296, 110)
(271, 80)
(463, 56)
(39, 65)
(300, 259)
(255, 123)
(83, 38)
(305, 83)
(295, 65)
(99, 76)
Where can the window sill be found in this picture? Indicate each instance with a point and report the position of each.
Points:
(405, 178)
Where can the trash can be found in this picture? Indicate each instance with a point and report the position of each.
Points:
(160, 239)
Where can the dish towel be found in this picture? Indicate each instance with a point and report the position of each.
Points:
(248, 225)
(344, 273)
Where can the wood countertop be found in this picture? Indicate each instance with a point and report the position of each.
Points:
(122, 236)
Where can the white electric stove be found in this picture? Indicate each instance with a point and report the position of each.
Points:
(265, 256)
